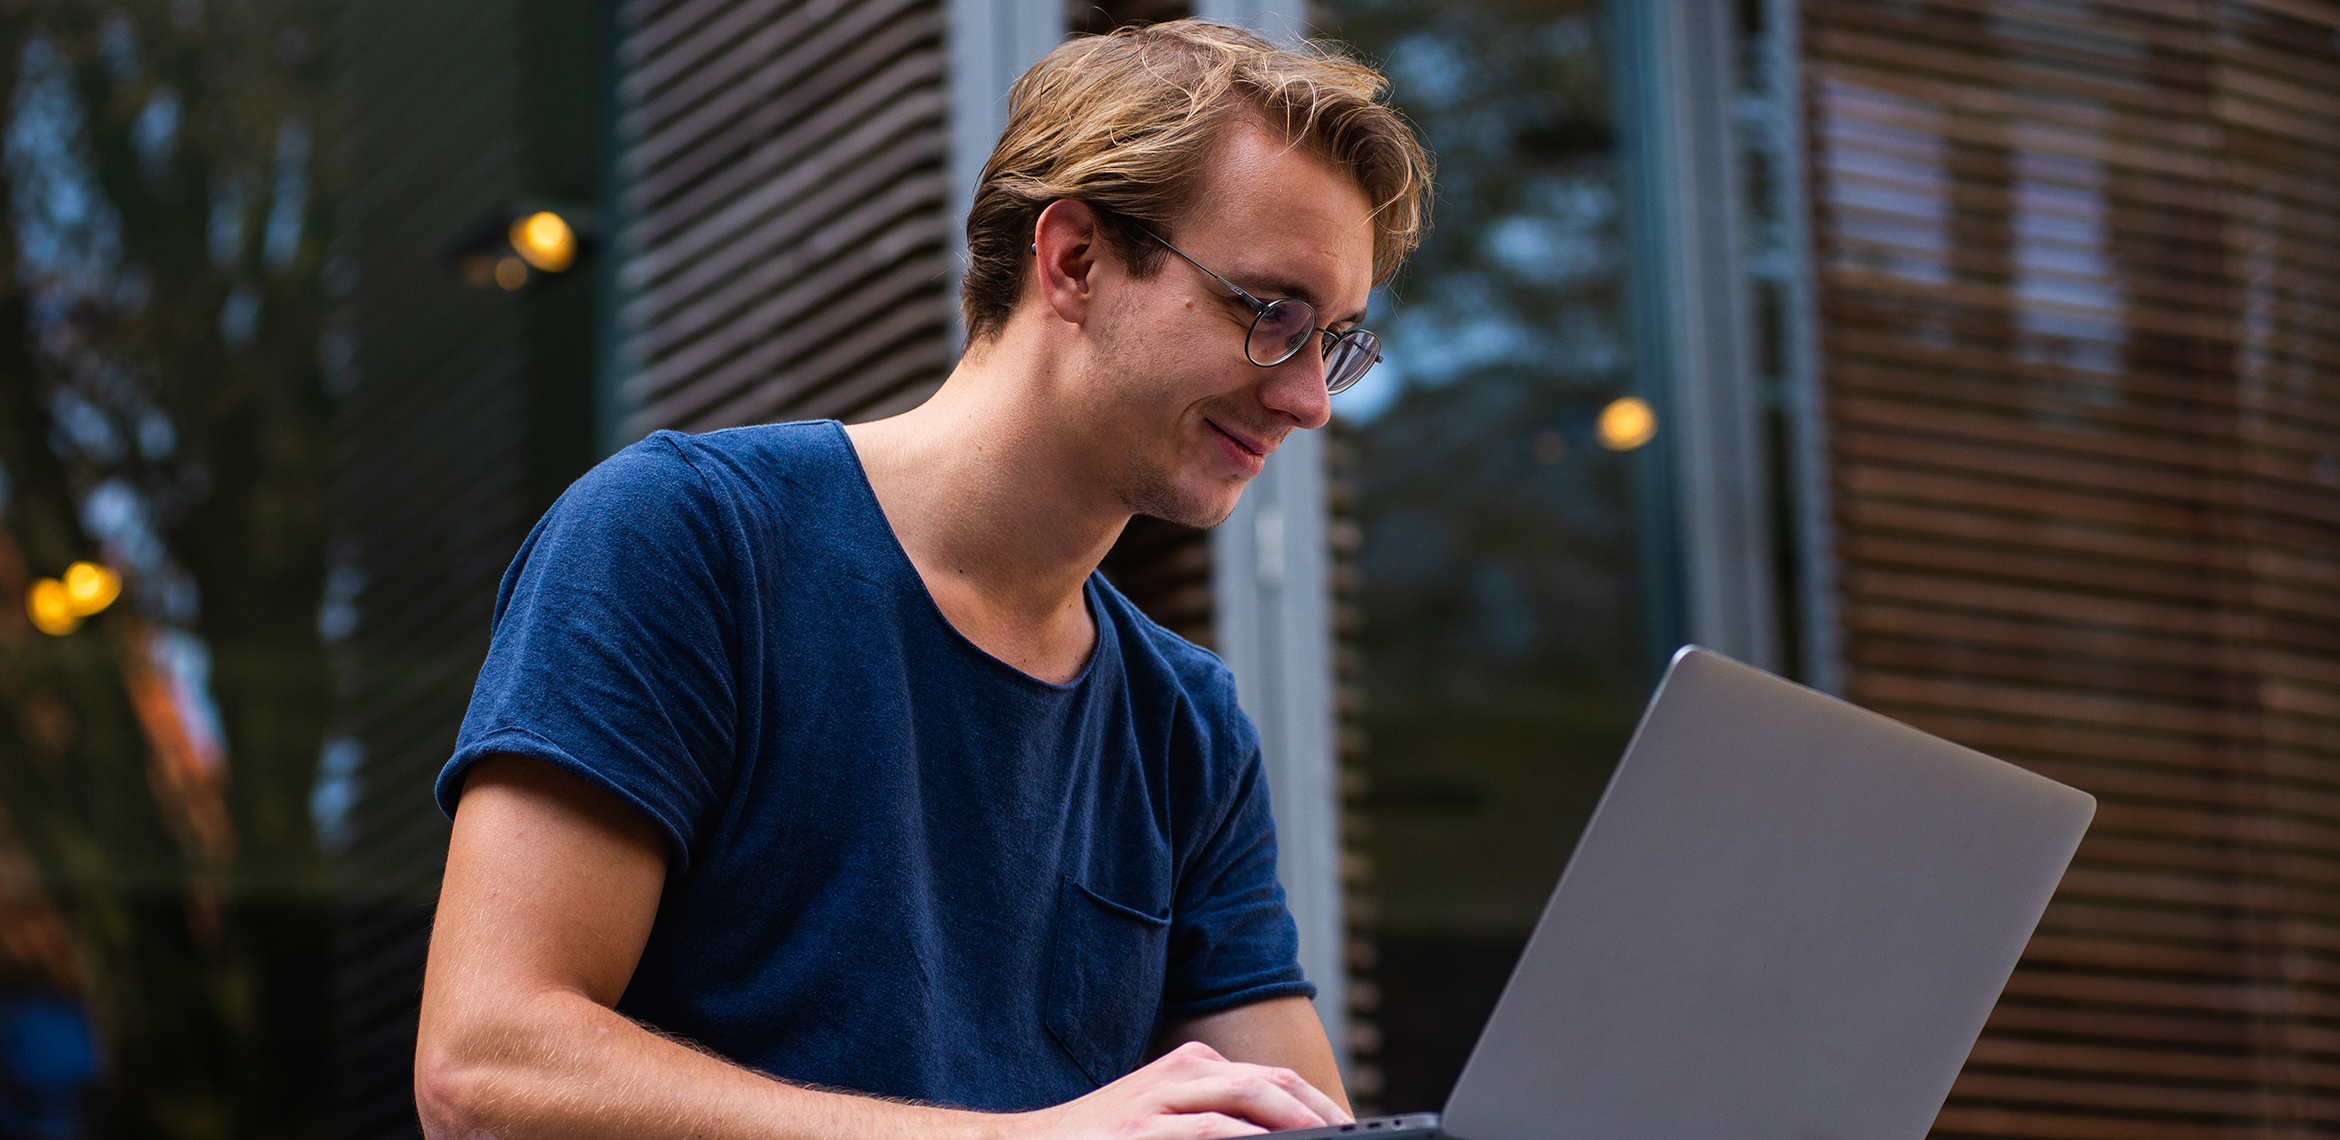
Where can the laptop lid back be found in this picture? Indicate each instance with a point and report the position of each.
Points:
(1787, 920)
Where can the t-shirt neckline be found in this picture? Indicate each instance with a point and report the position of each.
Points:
(875, 512)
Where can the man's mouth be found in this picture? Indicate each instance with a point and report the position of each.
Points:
(1249, 445)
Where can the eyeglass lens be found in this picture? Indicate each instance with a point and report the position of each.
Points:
(1285, 325)
(1355, 352)
(1279, 331)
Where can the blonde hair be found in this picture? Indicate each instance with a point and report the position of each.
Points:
(1123, 122)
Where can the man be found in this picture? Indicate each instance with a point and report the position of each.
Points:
(816, 786)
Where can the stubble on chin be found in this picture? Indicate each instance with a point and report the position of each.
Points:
(1146, 487)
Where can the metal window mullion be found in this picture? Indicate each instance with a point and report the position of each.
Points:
(1814, 530)
(1691, 344)
(992, 44)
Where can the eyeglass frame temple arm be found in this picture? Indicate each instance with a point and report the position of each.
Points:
(1257, 306)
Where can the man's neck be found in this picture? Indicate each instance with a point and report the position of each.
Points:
(1001, 519)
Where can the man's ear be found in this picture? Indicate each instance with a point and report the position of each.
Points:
(1067, 246)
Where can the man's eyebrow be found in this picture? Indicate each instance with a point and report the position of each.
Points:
(1275, 287)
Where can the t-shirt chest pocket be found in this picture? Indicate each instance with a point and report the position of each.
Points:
(1104, 981)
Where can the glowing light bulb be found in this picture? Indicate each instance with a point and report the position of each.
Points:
(1627, 423)
(51, 608)
(90, 587)
(545, 241)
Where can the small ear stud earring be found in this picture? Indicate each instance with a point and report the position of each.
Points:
(1035, 249)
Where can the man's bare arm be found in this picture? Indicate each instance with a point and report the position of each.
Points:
(1279, 1031)
(550, 891)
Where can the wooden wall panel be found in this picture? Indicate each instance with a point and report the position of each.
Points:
(2080, 315)
(784, 250)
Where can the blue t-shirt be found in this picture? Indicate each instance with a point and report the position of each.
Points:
(897, 864)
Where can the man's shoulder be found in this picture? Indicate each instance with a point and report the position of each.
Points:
(1156, 657)
(743, 467)
(755, 453)
(709, 493)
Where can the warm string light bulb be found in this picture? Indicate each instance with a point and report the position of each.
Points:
(91, 587)
(1627, 423)
(58, 605)
(544, 240)
(50, 608)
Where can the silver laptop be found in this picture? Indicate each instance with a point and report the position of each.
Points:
(1787, 920)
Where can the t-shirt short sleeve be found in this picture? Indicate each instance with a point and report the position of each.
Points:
(1232, 939)
(615, 642)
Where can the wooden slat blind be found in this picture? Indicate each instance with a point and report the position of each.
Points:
(785, 254)
(2080, 306)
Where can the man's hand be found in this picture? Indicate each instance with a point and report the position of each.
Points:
(1190, 1093)
(1280, 1031)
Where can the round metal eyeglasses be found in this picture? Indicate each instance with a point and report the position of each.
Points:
(1282, 327)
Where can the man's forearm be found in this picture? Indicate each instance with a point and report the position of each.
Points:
(563, 1066)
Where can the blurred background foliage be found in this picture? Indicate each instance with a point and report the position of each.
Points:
(164, 411)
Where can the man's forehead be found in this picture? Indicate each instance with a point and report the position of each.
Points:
(1286, 221)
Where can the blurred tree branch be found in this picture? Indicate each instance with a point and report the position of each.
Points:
(204, 962)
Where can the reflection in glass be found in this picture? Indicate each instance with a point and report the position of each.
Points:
(1503, 649)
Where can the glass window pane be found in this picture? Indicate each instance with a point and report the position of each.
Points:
(1504, 657)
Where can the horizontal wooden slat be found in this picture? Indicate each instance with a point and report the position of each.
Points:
(785, 251)
(1961, 1119)
(876, 143)
(2125, 489)
(822, 309)
(1867, 332)
(2284, 447)
(2161, 1029)
(647, 27)
(686, 42)
(795, 249)
(2147, 1064)
(762, 95)
(2157, 1097)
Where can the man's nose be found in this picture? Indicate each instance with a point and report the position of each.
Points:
(1296, 388)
